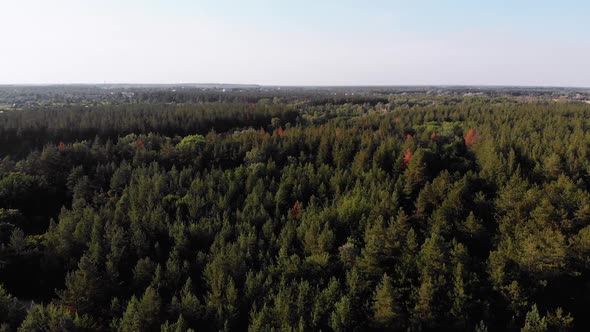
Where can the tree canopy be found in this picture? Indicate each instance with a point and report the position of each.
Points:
(294, 211)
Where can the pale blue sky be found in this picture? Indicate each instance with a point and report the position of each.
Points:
(518, 42)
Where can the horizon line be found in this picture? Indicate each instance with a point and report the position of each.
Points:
(297, 85)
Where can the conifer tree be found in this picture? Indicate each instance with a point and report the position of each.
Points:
(384, 306)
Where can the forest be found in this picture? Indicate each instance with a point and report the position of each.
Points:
(254, 209)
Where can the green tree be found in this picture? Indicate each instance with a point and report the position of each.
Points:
(384, 306)
(534, 322)
(55, 318)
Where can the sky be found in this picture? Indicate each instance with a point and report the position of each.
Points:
(304, 42)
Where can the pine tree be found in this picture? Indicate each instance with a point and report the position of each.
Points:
(424, 311)
(385, 310)
(534, 322)
(131, 320)
(342, 318)
(190, 307)
(83, 290)
(148, 309)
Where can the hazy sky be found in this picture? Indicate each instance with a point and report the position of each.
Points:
(303, 42)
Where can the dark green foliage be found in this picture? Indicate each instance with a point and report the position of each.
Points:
(172, 212)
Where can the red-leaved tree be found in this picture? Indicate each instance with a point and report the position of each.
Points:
(471, 137)
(139, 144)
(407, 157)
(295, 210)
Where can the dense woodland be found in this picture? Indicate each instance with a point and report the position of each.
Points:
(302, 211)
